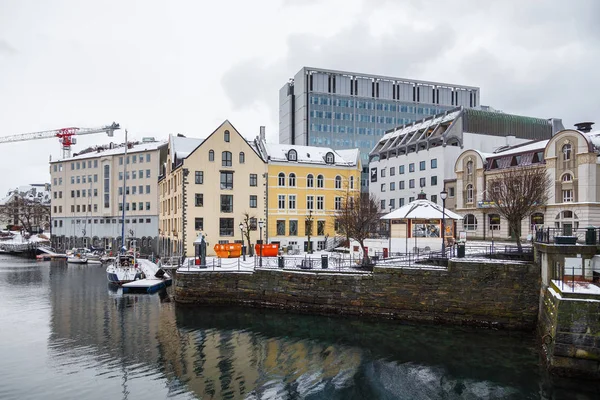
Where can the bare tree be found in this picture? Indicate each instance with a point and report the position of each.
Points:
(518, 192)
(249, 222)
(26, 213)
(356, 217)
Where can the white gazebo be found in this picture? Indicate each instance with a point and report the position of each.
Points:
(421, 218)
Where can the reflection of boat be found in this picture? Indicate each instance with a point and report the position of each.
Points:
(77, 258)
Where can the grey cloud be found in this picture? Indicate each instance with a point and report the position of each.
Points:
(6, 48)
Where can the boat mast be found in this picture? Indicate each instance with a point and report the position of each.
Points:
(123, 248)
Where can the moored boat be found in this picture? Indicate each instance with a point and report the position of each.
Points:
(77, 258)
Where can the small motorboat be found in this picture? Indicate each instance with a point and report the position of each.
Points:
(77, 258)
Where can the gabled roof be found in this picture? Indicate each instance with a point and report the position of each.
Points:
(311, 154)
(182, 146)
(34, 192)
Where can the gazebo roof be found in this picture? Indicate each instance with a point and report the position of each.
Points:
(421, 209)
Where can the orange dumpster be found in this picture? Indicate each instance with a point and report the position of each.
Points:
(229, 250)
(268, 250)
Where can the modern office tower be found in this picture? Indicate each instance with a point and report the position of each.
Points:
(87, 196)
(342, 110)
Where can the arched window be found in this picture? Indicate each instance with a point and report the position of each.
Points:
(292, 155)
(211, 155)
(566, 150)
(351, 182)
(470, 168)
(226, 159)
(242, 157)
(494, 222)
(338, 182)
(469, 197)
(320, 181)
(292, 180)
(310, 181)
(469, 222)
(567, 177)
(281, 180)
(226, 136)
(329, 158)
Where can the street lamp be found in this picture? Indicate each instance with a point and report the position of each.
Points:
(260, 226)
(390, 234)
(242, 234)
(443, 196)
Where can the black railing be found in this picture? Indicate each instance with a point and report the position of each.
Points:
(565, 235)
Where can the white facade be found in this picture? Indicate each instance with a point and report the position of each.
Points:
(87, 195)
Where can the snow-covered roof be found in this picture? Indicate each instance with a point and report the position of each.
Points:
(594, 138)
(182, 146)
(101, 151)
(312, 154)
(33, 192)
(425, 123)
(421, 209)
(538, 145)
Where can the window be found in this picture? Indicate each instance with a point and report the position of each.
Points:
(329, 159)
(469, 198)
(199, 177)
(253, 201)
(226, 203)
(199, 199)
(281, 179)
(120, 160)
(434, 198)
(566, 151)
(133, 205)
(141, 189)
(281, 227)
(147, 206)
(383, 187)
(226, 159)
(383, 172)
(320, 228)
(141, 205)
(422, 182)
(392, 186)
(320, 202)
(226, 180)
(451, 191)
(147, 189)
(253, 180)
(320, 181)
(106, 186)
(470, 222)
(227, 136)
(433, 180)
(411, 199)
(382, 204)
(310, 202)
(292, 155)
(433, 163)
(198, 224)
(242, 157)
(211, 155)
(392, 171)
(567, 177)
(292, 180)
(292, 201)
(401, 185)
(147, 174)
(293, 228)
(351, 182)
(281, 202)
(338, 182)
(422, 166)
(337, 203)
(411, 184)
(226, 226)
(392, 203)
(567, 196)
(411, 167)
(401, 202)
(310, 181)
(401, 169)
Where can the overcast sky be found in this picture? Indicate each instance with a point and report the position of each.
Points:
(159, 67)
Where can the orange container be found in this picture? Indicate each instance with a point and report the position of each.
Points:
(268, 250)
(229, 250)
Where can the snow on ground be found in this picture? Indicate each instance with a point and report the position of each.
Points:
(577, 287)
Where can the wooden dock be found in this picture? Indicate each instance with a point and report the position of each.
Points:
(146, 285)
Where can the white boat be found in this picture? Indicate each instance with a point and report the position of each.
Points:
(77, 259)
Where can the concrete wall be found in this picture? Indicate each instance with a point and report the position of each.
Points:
(501, 295)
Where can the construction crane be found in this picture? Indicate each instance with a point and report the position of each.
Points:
(65, 136)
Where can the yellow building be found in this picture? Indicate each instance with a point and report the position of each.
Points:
(209, 186)
(305, 187)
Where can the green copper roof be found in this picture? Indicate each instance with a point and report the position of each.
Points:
(500, 124)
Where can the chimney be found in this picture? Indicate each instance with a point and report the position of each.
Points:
(262, 133)
(584, 126)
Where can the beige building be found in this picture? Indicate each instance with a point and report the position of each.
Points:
(571, 161)
(87, 196)
(208, 186)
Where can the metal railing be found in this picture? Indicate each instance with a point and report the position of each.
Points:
(582, 235)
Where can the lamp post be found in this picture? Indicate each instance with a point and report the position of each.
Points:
(260, 226)
(443, 196)
(242, 235)
(308, 226)
(390, 234)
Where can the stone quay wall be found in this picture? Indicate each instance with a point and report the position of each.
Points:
(503, 295)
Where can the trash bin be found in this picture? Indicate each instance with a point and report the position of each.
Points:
(460, 253)
(280, 262)
(324, 261)
(590, 235)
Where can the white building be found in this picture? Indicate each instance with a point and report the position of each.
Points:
(12, 214)
(421, 156)
(87, 196)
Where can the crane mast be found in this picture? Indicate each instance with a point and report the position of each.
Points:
(65, 136)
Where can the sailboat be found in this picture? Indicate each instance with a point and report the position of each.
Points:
(126, 267)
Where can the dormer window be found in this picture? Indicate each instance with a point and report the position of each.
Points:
(329, 159)
(292, 155)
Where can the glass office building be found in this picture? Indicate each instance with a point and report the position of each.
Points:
(343, 110)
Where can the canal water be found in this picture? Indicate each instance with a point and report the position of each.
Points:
(65, 335)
